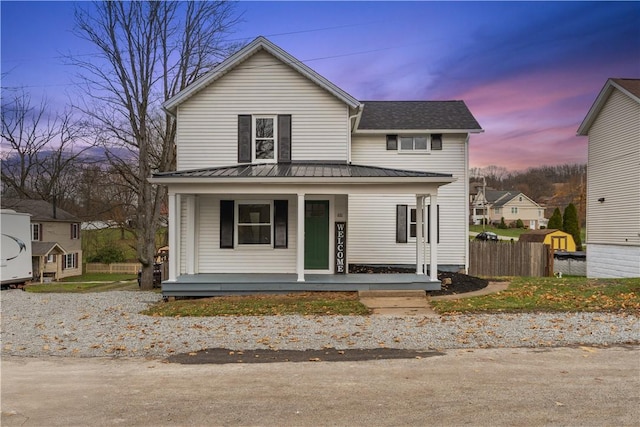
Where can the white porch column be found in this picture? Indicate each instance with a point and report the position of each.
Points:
(300, 242)
(174, 236)
(419, 233)
(433, 238)
(190, 249)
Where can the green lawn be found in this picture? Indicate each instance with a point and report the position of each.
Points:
(569, 294)
(308, 303)
(95, 282)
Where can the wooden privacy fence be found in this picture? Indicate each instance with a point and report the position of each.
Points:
(122, 268)
(510, 259)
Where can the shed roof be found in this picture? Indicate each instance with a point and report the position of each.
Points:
(40, 210)
(417, 115)
(539, 235)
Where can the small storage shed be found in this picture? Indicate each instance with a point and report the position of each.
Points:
(557, 239)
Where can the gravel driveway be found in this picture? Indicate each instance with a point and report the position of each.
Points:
(108, 324)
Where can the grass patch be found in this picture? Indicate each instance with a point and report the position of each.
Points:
(307, 303)
(549, 294)
(99, 277)
(81, 288)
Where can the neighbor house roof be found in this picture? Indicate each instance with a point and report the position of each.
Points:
(260, 43)
(40, 210)
(295, 171)
(433, 116)
(630, 87)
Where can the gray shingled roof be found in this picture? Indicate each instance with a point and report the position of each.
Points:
(46, 248)
(39, 210)
(632, 85)
(299, 170)
(400, 115)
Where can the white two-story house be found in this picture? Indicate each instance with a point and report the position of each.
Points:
(613, 180)
(283, 180)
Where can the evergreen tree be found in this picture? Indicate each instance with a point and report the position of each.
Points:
(555, 222)
(571, 225)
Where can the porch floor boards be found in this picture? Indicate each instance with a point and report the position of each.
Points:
(230, 284)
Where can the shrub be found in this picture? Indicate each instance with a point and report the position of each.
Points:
(555, 222)
(108, 255)
(502, 225)
(519, 223)
(571, 225)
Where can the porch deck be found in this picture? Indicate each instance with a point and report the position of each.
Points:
(201, 285)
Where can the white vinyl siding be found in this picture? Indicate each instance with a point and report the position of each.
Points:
(244, 259)
(613, 173)
(613, 261)
(208, 122)
(372, 219)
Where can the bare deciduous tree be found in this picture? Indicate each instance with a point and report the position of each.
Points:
(41, 151)
(146, 53)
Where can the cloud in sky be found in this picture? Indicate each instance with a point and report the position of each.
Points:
(529, 71)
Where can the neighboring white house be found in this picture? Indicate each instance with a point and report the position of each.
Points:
(493, 205)
(613, 180)
(283, 179)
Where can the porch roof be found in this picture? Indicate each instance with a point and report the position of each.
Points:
(300, 170)
(46, 248)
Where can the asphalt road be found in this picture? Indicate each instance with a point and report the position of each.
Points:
(551, 386)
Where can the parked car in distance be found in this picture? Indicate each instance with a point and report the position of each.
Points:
(487, 236)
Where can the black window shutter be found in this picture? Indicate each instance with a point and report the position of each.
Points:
(226, 224)
(392, 142)
(280, 219)
(244, 139)
(284, 138)
(436, 141)
(401, 223)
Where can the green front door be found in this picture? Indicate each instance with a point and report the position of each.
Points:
(316, 235)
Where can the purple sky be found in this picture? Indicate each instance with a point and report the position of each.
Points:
(529, 71)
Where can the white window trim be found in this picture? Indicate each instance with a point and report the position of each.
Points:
(254, 118)
(65, 260)
(411, 238)
(414, 150)
(236, 224)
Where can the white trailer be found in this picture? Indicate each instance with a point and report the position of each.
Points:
(15, 259)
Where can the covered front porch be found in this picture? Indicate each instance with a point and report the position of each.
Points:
(211, 284)
(289, 209)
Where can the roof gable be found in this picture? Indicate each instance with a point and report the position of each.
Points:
(629, 87)
(435, 116)
(260, 43)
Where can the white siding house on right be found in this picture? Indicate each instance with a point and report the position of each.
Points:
(613, 180)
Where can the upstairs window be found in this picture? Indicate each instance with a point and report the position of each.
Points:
(264, 138)
(414, 143)
(75, 231)
(36, 232)
(264, 144)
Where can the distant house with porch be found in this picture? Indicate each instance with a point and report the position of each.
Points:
(613, 180)
(493, 205)
(56, 240)
(283, 180)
